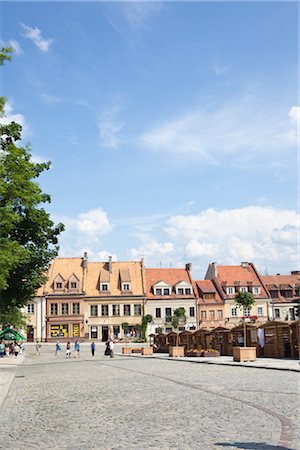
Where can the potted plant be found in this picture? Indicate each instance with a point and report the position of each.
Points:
(178, 319)
(146, 319)
(211, 352)
(244, 300)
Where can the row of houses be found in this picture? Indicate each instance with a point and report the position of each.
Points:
(95, 300)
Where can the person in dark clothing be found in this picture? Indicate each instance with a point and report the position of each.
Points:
(93, 347)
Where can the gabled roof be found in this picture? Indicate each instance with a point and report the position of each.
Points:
(202, 287)
(170, 276)
(282, 282)
(65, 268)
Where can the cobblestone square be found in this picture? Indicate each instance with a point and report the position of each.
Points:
(144, 403)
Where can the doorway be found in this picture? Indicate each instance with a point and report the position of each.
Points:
(30, 333)
(104, 333)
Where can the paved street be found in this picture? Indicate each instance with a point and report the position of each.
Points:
(133, 403)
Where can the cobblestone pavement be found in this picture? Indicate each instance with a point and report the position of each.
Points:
(132, 403)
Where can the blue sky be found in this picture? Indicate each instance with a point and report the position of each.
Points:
(172, 127)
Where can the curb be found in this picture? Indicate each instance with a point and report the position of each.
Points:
(286, 369)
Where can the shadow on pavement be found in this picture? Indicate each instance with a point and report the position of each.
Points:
(253, 445)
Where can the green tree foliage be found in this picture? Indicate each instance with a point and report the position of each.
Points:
(244, 300)
(12, 316)
(146, 319)
(178, 319)
(28, 237)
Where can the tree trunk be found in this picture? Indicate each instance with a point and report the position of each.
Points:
(245, 333)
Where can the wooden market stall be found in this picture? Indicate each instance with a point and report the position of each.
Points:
(237, 337)
(220, 338)
(295, 338)
(160, 340)
(277, 340)
(186, 338)
(171, 339)
(201, 339)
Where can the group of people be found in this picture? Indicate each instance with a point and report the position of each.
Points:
(109, 349)
(14, 348)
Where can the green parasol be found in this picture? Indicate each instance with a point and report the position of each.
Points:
(8, 334)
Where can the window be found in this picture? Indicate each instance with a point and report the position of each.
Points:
(192, 311)
(256, 290)
(116, 310)
(203, 315)
(167, 291)
(168, 314)
(277, 313)
(220, 314)
(76, 308)
(292, 313)
(73, 285)
(94, 332)
(158, 330)
(188, 291)
(126, 310)
(233, 312)
(230, 290)
(211, 314)
(104, 287)
(180, 291)
(104, 310)
(126, 287)
(158, 291)
(246, 312)
(168, 329)
(65, 308)
(157, 312)
(116, 331)
(30, 308)
(137, 310)
(260, 311)
(94, 310)
(53, 309)
(243, 289)
(59, 285)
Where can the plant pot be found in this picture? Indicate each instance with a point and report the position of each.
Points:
(211, 354)
(194, 353)
(176, 351)
(244, 354)
(147, 351)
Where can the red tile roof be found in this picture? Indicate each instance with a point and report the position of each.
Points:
(170, 276)
(206, 287)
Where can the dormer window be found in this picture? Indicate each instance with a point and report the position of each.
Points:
(73, 285)
(125, 287)
(183, 288)
(188, 291)
(158, 291)
(243, 289)
(104, 287)
(256, 290)
(230, 290)
(58, 285)
(166, 291)
(162, 288)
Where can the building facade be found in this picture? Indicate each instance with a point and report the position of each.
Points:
(229, 280)
(167, 290)
(211, 310)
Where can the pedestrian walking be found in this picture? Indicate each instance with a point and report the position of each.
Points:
(16, 349)
(68, 350)
(2, 349)
(111, 348)
(93, 348)
(57, 348)
(77, 349)
(107, 349)
(37, 347)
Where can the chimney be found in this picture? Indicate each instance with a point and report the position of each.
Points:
(84, 267)
(214, 270)
(188, 267)
(110, 264)
(295, 272)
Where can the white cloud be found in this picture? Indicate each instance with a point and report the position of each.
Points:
(93, 223)
(35, 35)
(110, 126)
(242, 132)
(150, 247)
(138, 14)
(15, 45)
(11, 116)
(264, 235)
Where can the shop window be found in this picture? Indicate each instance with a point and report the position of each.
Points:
(94, 332)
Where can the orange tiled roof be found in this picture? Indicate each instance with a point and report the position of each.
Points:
(280, 282)
(170, 276)
(206, 287)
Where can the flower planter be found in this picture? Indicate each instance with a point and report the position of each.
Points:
(244, 354)
(211, 354)
(194, 353)
(147, 351)
(176, 351)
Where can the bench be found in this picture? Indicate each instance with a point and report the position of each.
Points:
(129, 350)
